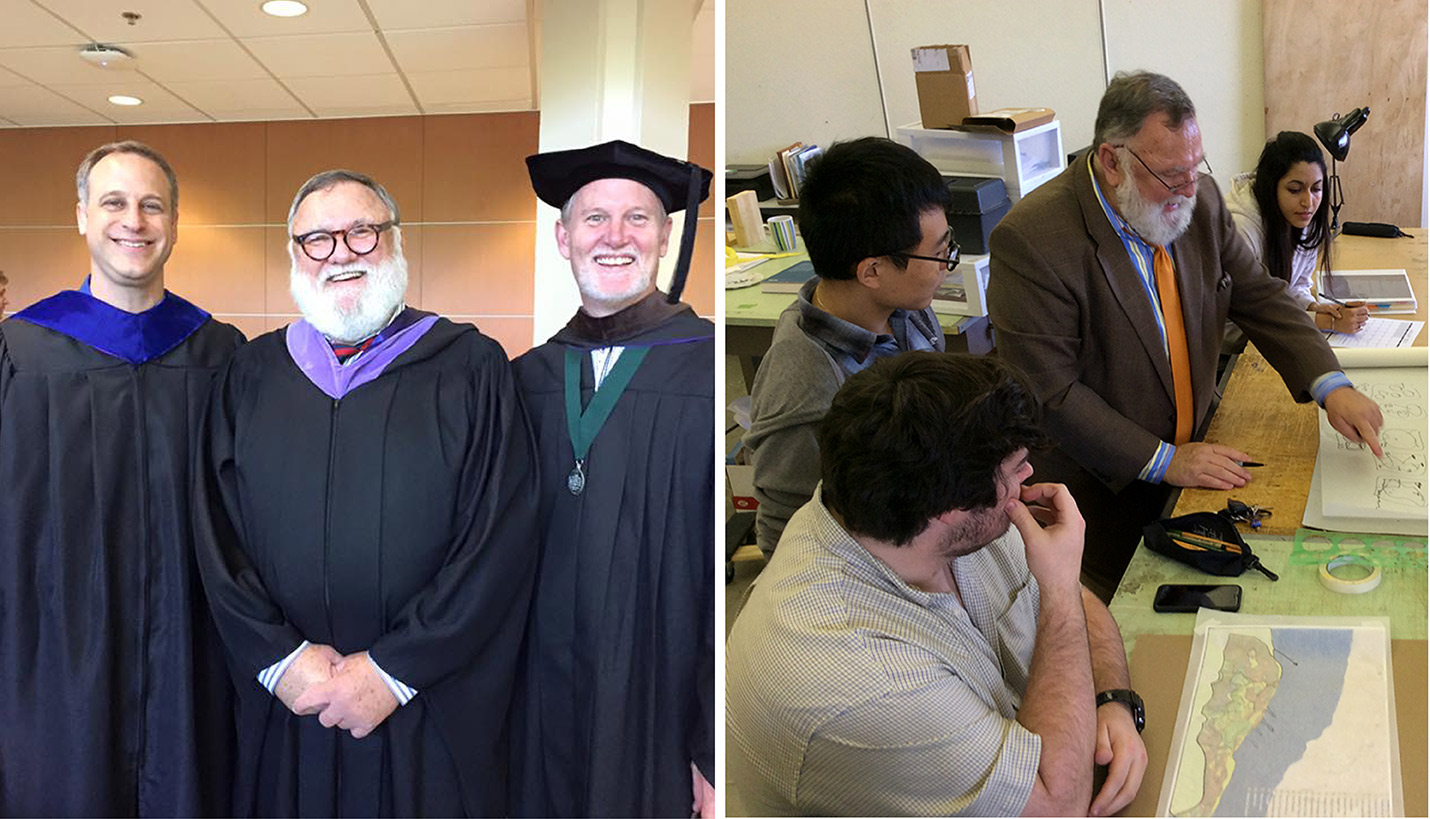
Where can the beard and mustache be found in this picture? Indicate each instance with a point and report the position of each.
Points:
(382, 295)
(1152, 223)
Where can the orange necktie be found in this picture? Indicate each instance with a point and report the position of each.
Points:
(1176, 342)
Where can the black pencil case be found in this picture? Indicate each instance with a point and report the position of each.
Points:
(1211, 561)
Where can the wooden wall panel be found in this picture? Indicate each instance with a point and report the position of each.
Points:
(39, 173)
(700, 286)
(479, 270)
(389, 149)
(476, 170)
(41, 261)
(1330, 56)
(512, 332)
(702, 152)
(220, 168)
(218, 268)
(276, 265)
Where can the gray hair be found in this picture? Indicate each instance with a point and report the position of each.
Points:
(329, 179)
(128, 146)
(1131, 98)
(569, 205)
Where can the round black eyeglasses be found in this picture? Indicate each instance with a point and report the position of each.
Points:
(319, 245)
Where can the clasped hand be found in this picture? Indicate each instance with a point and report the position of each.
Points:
(345, 692)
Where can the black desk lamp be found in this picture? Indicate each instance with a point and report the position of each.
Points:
(1335, 134)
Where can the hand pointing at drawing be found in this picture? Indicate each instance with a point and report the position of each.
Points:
(1355, 416)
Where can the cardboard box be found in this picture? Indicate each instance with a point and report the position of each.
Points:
(1010, 120)
(943, 75)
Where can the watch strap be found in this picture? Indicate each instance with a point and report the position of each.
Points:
(1129, 698)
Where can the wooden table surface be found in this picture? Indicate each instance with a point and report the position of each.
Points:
(1258, 416)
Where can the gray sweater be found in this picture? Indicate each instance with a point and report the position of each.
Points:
(811, 354)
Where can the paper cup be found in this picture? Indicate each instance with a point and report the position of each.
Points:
(782, 231)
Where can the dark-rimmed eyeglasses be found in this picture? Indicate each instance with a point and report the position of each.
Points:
(951, 260)
(1197, 174)
(319, 245)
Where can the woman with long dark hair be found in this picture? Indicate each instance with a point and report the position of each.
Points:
(1281, 213)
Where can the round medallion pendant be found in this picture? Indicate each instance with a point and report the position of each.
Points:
(576, 481)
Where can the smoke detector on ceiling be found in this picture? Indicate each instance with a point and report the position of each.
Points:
(107, 56)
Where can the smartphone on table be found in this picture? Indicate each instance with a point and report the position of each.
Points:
(1188, 597)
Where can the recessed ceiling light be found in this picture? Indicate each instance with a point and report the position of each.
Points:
(125, 99)
(284, 8)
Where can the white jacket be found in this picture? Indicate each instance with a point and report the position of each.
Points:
(1247, 216)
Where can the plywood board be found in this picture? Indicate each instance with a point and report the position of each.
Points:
(1324, 57)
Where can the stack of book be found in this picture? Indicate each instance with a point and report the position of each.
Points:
(788, 169)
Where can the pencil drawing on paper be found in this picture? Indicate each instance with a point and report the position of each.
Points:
(1396, 493)
(1402, 439)
(1395, 409)
(1406, 463)
(1380, 393)
(1354, 484)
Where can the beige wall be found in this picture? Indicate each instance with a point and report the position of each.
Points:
(856, 77)
(460, 180)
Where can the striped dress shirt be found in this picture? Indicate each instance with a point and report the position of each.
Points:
(849, 692)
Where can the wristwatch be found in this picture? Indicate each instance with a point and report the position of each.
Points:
(1127, 697)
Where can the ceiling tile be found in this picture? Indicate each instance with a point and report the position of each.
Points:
(239, 99)
(246, 19)
(10, 78)
(196, 60)
(161, 20)
(29, 25)
(357, 96)
(325, 55)
(483, 85)
(395, 15)
(459, 48)
(159, 105)
(33, 105)
(57, 64)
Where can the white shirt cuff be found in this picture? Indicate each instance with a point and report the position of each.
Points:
(269, 677)
(403, 692)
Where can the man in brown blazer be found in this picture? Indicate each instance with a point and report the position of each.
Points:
(1075, 296)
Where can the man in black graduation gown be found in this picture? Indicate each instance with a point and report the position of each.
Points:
(617, 711)
(365, 535)
(113, 696)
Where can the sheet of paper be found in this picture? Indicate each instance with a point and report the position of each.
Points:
(1359, 492)
(1285, 716)
(1380, 332)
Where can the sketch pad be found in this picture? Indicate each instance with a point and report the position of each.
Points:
(1272, 710)
(1352, 490)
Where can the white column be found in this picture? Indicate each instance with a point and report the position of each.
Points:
(609, 69)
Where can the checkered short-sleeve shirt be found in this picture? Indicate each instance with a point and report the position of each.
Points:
(848, 692)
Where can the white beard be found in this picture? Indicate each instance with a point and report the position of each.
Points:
(386, 285)
(609, 296)
(1147, 218)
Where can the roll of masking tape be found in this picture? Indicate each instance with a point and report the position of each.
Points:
(1359, 585)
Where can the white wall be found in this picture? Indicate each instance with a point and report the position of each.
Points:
(797, 70)
(1213, 49)
(1025, 54)
(805, 69)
